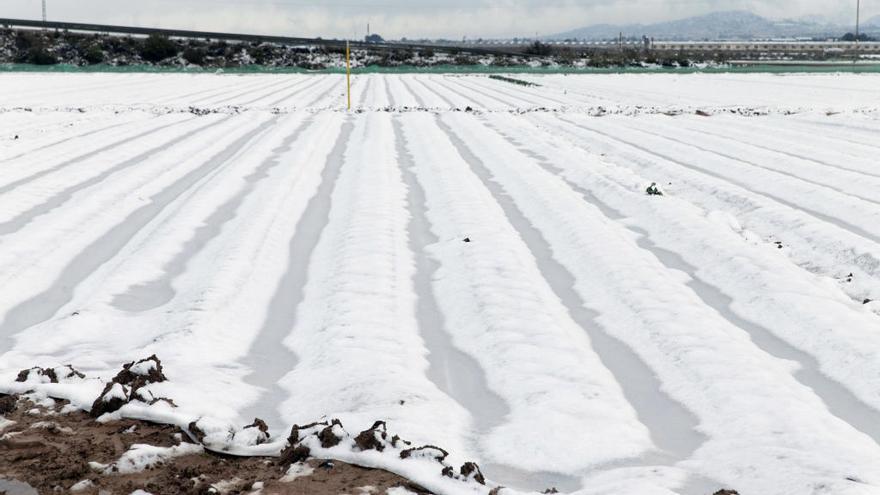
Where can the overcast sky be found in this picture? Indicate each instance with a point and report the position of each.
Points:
(410, 18)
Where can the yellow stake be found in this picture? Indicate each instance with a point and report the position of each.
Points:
(348, 72)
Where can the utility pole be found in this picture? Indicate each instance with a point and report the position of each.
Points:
(348, 73)
(45, 17)
(858, 12)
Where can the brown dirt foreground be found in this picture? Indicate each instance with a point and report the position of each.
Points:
(45, 451)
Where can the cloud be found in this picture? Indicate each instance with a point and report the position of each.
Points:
(413, 18)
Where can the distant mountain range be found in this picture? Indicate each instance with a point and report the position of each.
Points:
(722, 25)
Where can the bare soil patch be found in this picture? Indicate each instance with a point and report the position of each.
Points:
(47, 451)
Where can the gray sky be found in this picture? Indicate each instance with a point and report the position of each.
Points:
(412, 18)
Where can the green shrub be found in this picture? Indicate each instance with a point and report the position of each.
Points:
(194, 55)
(540, 49)
(40, 56)
(93, 55)
(157, 48)
(24, 40)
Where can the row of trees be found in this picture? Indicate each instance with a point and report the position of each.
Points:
(623, 57)
(852, 37)
(35, 47)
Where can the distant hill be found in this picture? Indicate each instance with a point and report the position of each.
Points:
(717, 25)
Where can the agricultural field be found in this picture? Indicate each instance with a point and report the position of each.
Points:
(475, 261)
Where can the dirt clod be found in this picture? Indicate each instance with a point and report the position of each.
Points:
(127, 384)
(50, 373)
(166, 400)
(67, 372)
(395, 440)
(653, 190)
(196, 431)
(294, 454)
(372, 438)
(260, 425)
(107, 403)
(23, 375)
(438, 453)
(294, 437)
(328, 437)
(470, 470)
(141, 373)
